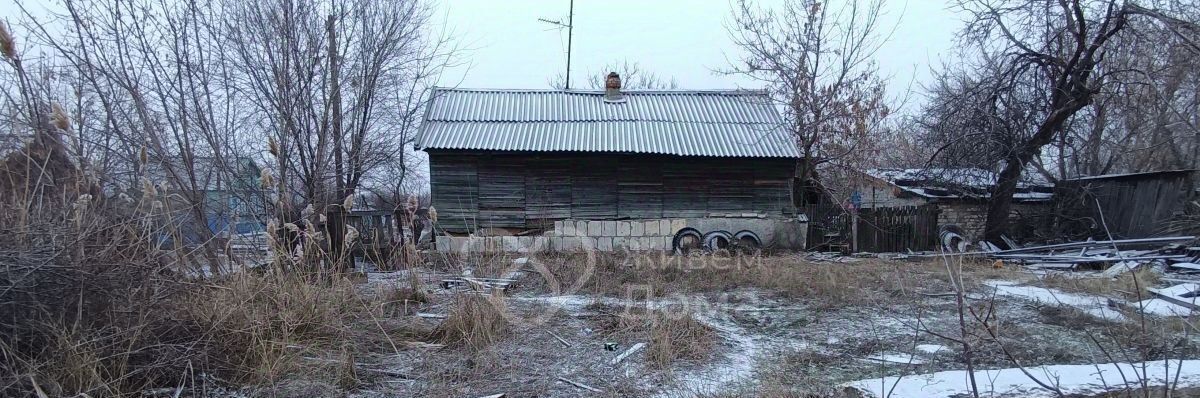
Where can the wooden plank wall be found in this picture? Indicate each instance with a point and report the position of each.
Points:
(456, 193)
(1132, 207)
(547, 192)
(594, 189)
(898, 229)
(880, 230)
(501, 192)
(640, 188)
(685, 190)
(513, 190)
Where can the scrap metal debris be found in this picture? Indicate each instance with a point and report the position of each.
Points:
(1121, 256)
(1183, 295)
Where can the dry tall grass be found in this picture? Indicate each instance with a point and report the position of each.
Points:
(1127, 284)
(85, 296)
(91, 305)
(678, 336)
(820, 284)
(673, 334)
(261, 328)
(474, 321)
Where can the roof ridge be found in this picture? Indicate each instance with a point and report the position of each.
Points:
(559, 121)
(601, 92)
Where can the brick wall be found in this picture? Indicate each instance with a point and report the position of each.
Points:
(972, 217)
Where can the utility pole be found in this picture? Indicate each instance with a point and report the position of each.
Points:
(570, 25)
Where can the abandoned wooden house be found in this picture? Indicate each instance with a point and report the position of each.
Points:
(1133, 205)
(572, 169)
(959, 194)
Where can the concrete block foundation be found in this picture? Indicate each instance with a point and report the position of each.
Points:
(633, 235)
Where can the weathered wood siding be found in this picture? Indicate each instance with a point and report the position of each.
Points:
(1132, 206)
(524, 190)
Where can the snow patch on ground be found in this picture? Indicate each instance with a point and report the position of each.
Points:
(1011, 382)
(739, 365)
(896, 358)
(1182, 290)
(1095, 305)
(1162, 307)
(719, 375)
(931, 348)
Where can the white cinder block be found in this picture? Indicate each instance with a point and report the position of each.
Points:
(595, 228)
(604, 244)
(540, 244)
(475, 244)
(567, 228)
(510, 243)
(610, 228)
(620, 242)
(637, 243)
(637, 228)
(655, 243)
(558, 225)
(587, 243)
(664, 227)
(677, 224)
(623, 228)
(581, 228)
(461, 244)
(571, 243)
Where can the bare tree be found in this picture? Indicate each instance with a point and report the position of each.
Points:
(183, 92)
(1146, 117)
(816, 61)
(338, 86)
(157, 80)
(1045, 59)
(967, 124)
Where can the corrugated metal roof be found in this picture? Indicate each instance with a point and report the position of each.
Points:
(1146, 174)
(685, 123)
(960, 183)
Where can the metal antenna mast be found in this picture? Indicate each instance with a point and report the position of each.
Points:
(570, 25)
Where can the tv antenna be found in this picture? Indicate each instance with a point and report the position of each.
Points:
(570, 25)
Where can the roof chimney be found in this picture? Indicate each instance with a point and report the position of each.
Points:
(612, 88)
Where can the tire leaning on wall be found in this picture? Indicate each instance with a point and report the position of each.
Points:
(686, 241)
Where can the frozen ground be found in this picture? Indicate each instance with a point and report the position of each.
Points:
(772, 342)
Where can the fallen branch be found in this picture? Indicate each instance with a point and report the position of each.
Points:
(636, 347)
(578, 384)
(560, 339)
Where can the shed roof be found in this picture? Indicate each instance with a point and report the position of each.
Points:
(730, 123)
(1137, 176)
(960, 183)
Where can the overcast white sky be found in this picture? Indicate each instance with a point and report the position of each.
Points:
(682, 39)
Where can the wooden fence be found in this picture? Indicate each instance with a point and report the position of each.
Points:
(877, 230)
